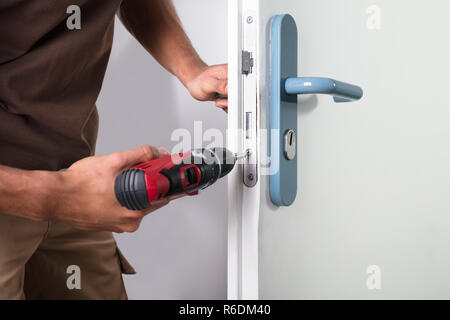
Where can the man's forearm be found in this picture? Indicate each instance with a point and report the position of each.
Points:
(156, 25)
(27, 194)
(82, 196)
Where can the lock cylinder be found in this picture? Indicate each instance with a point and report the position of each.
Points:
(290, 143)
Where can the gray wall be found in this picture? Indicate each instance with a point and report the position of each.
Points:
(179, 251)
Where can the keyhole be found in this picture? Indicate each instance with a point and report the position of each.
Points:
(291, 137)
(289, 145)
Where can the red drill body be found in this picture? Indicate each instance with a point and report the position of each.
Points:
(172, 177)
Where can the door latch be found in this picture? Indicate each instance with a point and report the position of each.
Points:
(247, 62)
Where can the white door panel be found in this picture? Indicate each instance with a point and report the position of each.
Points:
(374, 175)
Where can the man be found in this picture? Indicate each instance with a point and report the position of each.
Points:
(53, 222)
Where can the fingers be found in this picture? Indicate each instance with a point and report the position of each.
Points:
(218, 80)
(212, 86)
(163, 151)
(222, 87)
(144, 153)
(220, 71)
(134, 218)
(154, 206)
(223, 104)
(210, 83)
(141, 154)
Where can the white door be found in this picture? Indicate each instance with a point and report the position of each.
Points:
(371, 218)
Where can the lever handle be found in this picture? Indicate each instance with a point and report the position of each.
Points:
(341, 91)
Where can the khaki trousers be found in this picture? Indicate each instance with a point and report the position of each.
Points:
(50, 260)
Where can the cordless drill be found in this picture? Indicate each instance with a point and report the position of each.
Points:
(173, 176)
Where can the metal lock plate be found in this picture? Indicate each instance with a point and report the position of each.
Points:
(285, 85)
(283, 111)
(249, 99)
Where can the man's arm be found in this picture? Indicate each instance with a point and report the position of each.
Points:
(27, 194)
(83, 196)
(155, 24)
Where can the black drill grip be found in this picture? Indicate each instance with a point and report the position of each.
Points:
(131, 189)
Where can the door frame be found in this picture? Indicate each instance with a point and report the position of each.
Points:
(243, 201)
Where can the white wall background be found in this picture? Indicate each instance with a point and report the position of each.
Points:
(179, 251)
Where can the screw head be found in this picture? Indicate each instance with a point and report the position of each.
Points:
(250, 177)
(249, 19)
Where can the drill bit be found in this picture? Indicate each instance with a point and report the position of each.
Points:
(242, 155)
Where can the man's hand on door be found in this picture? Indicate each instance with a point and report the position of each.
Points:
(211, 84)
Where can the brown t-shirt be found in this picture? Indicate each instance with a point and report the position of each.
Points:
(50, 78)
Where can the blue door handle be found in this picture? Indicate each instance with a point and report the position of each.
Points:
(285, 85)
(341, 91)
